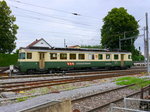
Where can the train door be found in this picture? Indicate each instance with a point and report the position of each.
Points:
(122, 59)
(41, 60)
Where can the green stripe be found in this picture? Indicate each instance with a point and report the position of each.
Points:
(24, 66)
(77, 64)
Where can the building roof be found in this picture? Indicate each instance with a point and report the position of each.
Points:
(41, 44)
(75, 46)
(33, 44)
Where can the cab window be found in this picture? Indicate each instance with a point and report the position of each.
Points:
(29, 55)
(53, 56)
(72, 56)
(107, 56)
(21, 55)
(63, 55)
(81, 56)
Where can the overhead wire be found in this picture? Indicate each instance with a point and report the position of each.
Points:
(51, 16)
(122, 34)
(41, 19)
(54, 16)
(69, 34)
(58, 10)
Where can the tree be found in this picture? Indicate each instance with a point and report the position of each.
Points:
(8, 29)
(91, 46)
(119, 24)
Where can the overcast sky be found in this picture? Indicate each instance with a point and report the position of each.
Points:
(53, 20)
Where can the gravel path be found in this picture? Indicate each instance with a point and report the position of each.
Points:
(102, 99)
(76, 93)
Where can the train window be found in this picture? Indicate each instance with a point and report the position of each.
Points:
(21, 55)
(81, 56)
(63, 55)
(107, 56)
(91, 56)
(53, 55)
(29, 55)
(100, 56)
(129, 57)
(72, 56)
(116, 56)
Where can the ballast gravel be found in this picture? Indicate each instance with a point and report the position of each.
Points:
(72, 94)
(43, 78)
(31, 79)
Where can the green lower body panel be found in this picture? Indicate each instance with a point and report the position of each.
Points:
(84, 64)
(24, 66)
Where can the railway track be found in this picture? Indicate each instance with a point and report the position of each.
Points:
(97, 102)
(70, 74)
(26, 85)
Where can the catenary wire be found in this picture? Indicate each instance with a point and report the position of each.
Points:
(58, 10)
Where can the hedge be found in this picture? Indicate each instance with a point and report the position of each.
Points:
(8, 59)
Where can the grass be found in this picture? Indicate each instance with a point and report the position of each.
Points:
(139, 82)
(22, 99)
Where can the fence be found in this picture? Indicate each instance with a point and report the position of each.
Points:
(135, 105)
(132, 105)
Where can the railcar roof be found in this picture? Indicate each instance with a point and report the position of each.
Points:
(74, 49)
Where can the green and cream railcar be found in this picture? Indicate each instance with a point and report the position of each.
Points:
(49, 59)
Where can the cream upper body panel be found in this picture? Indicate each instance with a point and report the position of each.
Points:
(35, 55)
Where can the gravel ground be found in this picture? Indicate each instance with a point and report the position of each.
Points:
(31, 79)
(99, 86)
(72, 94)
(99, 100)
(42, 78)
(130, 104)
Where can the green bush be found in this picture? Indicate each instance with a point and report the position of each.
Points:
(8, 59)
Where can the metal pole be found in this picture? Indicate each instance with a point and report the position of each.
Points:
(145, 48)
(124, 34)
(141, 96)
(125, 103)
(64, 42)
(147, 43)
(149, 90)
(111, 107)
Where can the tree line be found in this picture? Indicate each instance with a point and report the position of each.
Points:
(118, 24)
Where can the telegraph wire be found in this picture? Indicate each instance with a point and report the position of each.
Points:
(122, 34)
(41, 19)
(51, 16)
(58, 10)
(68, 34)
(60, 19)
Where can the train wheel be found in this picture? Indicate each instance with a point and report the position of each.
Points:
(63, 72)
(50, 71)
(30, 71)
(108, 68)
